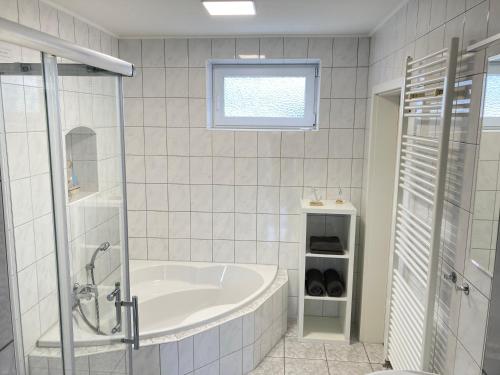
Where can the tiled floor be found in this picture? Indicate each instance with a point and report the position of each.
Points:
(292, 357)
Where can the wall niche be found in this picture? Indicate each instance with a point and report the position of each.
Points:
(81, 163)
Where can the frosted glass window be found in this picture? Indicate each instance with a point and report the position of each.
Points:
(264, 97)
(268, 95)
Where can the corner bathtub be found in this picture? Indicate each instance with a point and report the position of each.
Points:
(177, 296)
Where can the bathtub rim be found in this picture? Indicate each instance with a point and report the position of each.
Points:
(279, 277)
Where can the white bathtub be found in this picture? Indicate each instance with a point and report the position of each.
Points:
(175, 296)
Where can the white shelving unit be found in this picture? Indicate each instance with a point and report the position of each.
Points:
(327, 318)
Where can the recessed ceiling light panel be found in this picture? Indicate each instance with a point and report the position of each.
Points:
(229, 8)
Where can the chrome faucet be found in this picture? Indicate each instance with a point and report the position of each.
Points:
(116, 295)
(83, 292)
(90, 291)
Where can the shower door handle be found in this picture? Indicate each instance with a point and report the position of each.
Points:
(135, 321)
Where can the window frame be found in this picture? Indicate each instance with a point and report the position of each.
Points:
(218, 69)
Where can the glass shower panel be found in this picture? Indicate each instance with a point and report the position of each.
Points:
(27, 196)
(91, 125)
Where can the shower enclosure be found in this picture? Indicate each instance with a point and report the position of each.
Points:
(63, 188)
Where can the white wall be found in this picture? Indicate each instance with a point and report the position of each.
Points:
(420, 27)
(223, 196)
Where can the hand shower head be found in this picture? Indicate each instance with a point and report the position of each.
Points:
(102, 247)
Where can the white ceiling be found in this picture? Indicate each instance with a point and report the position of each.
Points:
(149, 18)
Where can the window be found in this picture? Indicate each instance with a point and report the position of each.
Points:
(263, 95)
(491, 110)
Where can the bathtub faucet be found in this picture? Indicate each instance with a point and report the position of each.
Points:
(116, 295)
(83, 292)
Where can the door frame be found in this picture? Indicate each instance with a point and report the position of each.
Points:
(379, 92)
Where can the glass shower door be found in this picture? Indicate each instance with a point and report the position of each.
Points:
(63, 188)
(92, 174)
(27, 197)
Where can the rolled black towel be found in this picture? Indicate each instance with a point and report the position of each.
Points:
(315, 285)
(333, 283)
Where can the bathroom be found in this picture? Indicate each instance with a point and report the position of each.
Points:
(163, 215)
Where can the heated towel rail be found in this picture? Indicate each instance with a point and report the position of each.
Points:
(421, 168)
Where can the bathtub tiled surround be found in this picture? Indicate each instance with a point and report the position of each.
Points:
(224, 196)
(233, 345)
(418, 28)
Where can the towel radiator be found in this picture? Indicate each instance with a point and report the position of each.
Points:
(418, 207)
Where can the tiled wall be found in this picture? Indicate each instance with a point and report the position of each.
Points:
(418, 28)
(487, 201)
(224, 196)
(23, 100)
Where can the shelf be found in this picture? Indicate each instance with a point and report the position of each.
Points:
(338, 256)
(79, 196)
(324, 328)
(332, 319)
(326, 298)
(330, 207)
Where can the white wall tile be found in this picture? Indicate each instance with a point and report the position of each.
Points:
(155, 141)
(321, 48)
(223, 226)
(201, 225)
(153, 54)
(292, 145)
(231, 336)
(268, 227)
(179, 249)
(10, 10)
(245, 226)
(201, 250)
(345, 52)
(200, 169)
(223, 48)
(206, 347)
(177, 112)
(223, 198)
(176, 53)
(233, 186)
(245, 252)
(201, 198)
(29, 14)
(247, 47)
(343, 82)
(199, 51)
(272, 47)
(28, 288)
(200, 142)
(176, 82)
(130, 50)
(245, 144)
(155, 112)
(153, 82)
(245, 199)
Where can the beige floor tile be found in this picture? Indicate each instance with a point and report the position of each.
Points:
(306, 350)
(349, 368)
(294, 366)
(292, 328)
(378, 367)
(279, 350)
(270, 366)
(375, 352)
(345, 352)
